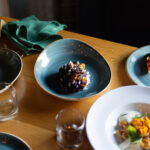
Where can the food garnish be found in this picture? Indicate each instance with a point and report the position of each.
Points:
(148, 62)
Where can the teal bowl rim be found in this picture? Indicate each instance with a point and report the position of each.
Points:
(67, 98)
(127, 68)
(21, 62)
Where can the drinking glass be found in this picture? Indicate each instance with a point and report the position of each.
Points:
(8, 102)
(70, 128)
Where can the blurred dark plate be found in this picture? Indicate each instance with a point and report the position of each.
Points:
(11, 142)
(10, 65)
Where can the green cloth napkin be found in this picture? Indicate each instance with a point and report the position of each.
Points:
(32, 35)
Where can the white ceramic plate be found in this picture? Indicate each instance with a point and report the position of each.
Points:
(103, 116)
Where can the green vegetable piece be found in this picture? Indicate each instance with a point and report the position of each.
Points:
(134, 136)
(143, 115)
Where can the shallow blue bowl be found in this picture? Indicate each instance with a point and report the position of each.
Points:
(137, 68)
(61, 52)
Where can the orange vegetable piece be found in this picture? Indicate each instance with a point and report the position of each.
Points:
(146, 121)
(137, 122)
(142, 129)
(82, 66)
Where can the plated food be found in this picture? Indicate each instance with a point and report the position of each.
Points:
(138, 66)
(134, 130)
(92, 74)
(73, 76)
(102, 118)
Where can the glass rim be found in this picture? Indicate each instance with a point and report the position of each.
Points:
(81, 126)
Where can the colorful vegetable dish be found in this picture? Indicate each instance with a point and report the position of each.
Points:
(73, 76)
(134, 128)
(148, 62)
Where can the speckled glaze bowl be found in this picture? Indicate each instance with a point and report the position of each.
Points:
(61, 52)
(10, 65)
(137, 68)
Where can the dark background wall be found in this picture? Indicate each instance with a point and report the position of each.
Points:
(123, 21)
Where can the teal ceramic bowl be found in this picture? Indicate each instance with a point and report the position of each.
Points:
(10, 65)
(61, 52)
(12, 142)
(137, 68)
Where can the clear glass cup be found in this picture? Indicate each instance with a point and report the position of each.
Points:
(70, 128)
(8, 102)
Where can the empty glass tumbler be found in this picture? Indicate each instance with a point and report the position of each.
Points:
(8, 102)
(70, 128)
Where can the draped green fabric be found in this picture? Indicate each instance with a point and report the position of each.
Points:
(32, 35)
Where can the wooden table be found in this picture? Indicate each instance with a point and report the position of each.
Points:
(37, 109)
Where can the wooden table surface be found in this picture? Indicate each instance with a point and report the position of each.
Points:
(35, 122)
